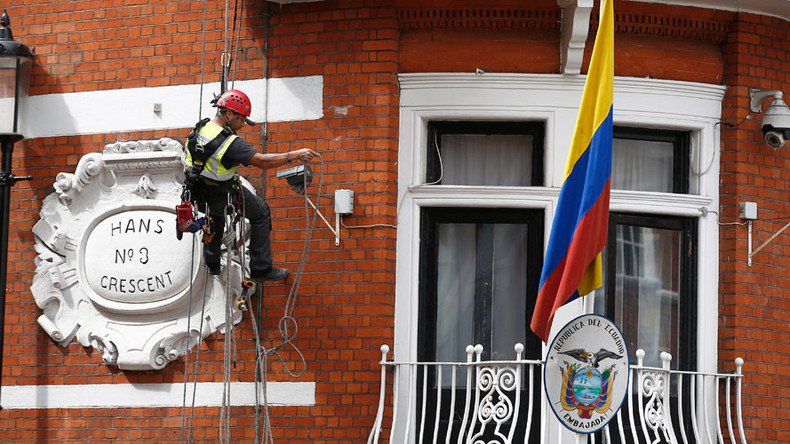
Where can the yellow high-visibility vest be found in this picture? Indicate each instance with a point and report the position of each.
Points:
(213, 168)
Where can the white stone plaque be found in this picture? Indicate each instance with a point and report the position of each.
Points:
(129, 257)
(110, 270)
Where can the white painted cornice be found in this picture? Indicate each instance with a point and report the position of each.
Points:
(419, 81)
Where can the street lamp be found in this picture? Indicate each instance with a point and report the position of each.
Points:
(16, 60)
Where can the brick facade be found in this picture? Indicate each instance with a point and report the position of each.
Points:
(754, 300)
(345, 307)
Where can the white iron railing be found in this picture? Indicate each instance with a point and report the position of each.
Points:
(498, 402)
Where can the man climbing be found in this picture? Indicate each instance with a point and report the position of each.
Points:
(211, 160)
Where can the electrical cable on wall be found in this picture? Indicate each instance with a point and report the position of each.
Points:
(435, 182)
(704, 212)
(734, 125)
(715, 152)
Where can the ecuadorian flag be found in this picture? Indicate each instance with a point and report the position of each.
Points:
(573, 264)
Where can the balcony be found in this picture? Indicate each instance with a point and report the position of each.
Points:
(498, 402)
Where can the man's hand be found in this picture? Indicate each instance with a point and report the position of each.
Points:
(272, 160)
(302, 155)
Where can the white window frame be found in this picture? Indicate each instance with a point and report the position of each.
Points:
(554, 100)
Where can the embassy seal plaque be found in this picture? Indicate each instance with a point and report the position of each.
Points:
(110, 271)
(586, 373)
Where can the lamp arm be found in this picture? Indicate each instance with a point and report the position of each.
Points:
(9, 179)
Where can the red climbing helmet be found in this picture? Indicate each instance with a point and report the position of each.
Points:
(237, 101)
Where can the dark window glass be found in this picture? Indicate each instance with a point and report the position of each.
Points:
(485, 153)
(479, 272)
(650, 160)
(649, 286)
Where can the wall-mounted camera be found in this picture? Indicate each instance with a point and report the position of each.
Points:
(298, 177)
(776, 122)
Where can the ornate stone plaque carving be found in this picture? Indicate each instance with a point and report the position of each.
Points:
(110, 271)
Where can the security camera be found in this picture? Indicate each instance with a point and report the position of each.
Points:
(777, 139)
(776, 123)
(298, 177)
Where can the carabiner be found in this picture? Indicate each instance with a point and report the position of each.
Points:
(229, 210)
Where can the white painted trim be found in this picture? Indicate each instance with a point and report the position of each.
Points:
(120, 110)
(98, 396)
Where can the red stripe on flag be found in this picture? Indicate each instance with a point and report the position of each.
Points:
(588, 240)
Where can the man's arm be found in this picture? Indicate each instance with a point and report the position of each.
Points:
(274, 160)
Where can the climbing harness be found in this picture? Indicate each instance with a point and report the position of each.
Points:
(197, 156)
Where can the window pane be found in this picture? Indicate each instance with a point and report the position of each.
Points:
(466, 287)
(642, 165)
(480, 276)
(455, 293)
(479, 159)
(508, 318)
(647, 290)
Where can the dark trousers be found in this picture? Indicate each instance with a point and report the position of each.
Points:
(257, 211)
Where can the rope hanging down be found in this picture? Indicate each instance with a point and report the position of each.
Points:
(193, 220)
(287, 325)
(234, 242)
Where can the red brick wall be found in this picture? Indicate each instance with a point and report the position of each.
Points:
(345, 307)
(345, 302)
(754, 301)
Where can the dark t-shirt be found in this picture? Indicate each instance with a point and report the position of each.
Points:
(239, 152)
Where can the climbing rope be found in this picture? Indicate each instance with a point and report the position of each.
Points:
(288, 327)
(202, 59)
(197, 359)
(225, 45)
(189, 337)
(237, 32)
(229, 241)
(199, 339)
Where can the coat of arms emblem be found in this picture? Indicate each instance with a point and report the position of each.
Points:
(586, 387)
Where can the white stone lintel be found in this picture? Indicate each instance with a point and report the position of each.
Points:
(179, 106)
